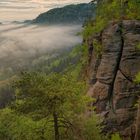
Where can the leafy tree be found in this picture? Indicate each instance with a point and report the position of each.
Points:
(111, 10)
(15, 127)
(57, 98)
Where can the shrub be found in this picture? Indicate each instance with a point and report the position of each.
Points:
(115, 137)
(97, 48)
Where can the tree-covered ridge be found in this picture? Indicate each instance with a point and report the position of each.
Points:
(72, 60)
(112, 10)
(52, 104)
(67, 15)
(49, 107)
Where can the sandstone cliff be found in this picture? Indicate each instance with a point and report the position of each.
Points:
(111, 76)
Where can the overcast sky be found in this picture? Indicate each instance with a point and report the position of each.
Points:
(11, 10)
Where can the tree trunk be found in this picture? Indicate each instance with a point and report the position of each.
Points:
(56, 127)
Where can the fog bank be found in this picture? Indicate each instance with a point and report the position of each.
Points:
(20, 44)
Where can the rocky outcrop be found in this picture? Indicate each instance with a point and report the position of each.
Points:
(111, 77)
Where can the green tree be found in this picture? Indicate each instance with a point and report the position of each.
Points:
(58, 98)
(15, 127)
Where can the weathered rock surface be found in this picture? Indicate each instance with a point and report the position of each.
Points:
(111, 77)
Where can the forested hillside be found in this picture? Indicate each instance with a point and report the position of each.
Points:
(90, 92)
(71, 14)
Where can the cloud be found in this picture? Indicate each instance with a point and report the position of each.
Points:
(19, 46)
(29, 9)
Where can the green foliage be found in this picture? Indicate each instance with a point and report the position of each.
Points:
(77, 50)
(138, 46)
(84, 55)
(107, 11)
(38, 97)
(95, 27)
(13, 127)
(88, 30)
(49, 92)
(97, 48)
(115, 137)
(133, 9)
(76, 70)
(117, 9)
(137, 79)
(92, 130)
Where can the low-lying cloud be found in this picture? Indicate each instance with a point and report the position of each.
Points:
(20, 44)
(21, 10)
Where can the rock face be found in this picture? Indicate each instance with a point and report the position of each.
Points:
(112, 75)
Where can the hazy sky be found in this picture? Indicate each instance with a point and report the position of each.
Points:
(20, 43)
(11, 10)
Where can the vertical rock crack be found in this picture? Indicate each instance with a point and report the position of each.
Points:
(111, 87)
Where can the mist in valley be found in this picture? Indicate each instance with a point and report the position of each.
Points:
(22, 46)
